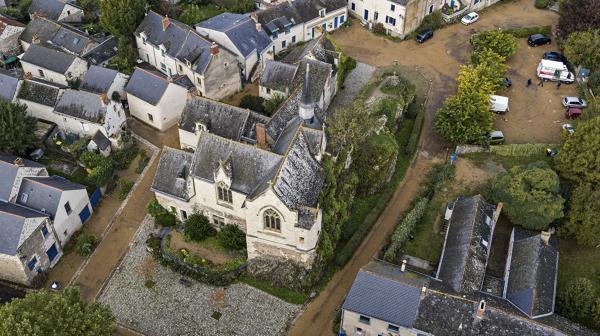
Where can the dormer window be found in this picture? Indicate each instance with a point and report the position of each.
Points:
(224, 193)
(321, 12)
(272, 220)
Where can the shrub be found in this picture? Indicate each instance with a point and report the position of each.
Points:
(253, 103)
(197, 228)
(541, 4)
(415, 133)
(404, 229)
(124, 187)
(399, 86)
(527, 31)
(375, 162)
(577, 300)
(85, 244)
(101, 168)
(379, 28)
(432, 21)
(271, 105)
(232, 238)
(412, 110)
(78, 146)
(142, 163)
(387, 107)
(124, 156)
(161, 216)
(149, 283)
(594, 83)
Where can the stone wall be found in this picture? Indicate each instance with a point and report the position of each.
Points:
(278, 271)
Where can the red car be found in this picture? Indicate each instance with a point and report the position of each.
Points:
(573, 113)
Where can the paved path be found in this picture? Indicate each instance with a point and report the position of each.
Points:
(438, 59)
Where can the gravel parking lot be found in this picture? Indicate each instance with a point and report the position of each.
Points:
(169, 308)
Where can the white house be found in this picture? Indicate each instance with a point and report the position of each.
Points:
(100, 143)
(155, 99)
(290, 22)
(241, 35)
(106, 81)
(176, 49)
(52, 65)
(40, 98)
(57, 10)
(10, 30)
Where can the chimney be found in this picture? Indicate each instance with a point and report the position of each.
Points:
(258, 27)
(307, 108)
(545, 236)
(480, 309)
(254, 17)
(165, 23)
(35, 39)
(214, 48)
(18, 162)
(403, 267)
(261, 136)
(104, 99)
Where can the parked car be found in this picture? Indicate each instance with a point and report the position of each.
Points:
(554, 56)
(573, 113)
(470, 18)
(496, 137)
(574, 102)
(424, 35)
(499, 104)
(538, 39)
(569, 128)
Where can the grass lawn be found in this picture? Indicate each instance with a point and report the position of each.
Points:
(427, 243)
(285, 294)
(480, 159)
(577, 261)
(212, 243)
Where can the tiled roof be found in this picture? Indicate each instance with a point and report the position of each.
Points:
(146, 85)
(82, 105)
(5, 22)
(47, 58)
(241, 31)
(48, 8)
(98, 79)
(275, 19)
(44, 193)
(278, 75)
(9, 171)
(101, 140)
(172, 173)
(13, 226)
(8, 86)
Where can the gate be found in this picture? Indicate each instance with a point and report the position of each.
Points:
(95, 198)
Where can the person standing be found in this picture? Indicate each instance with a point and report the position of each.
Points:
(528, 82)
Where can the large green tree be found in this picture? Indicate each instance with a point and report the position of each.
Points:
(16, 128)
(350, 126)
(502, 43)
(583, 48)
(121, 17)
(578, 15)
(530, 195)
(583, 220)
(465, 118)
(376, 162)
(62, 313)
(579, 159)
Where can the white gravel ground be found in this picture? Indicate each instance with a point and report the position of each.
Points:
(169, 308)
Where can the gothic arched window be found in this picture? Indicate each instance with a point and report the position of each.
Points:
(224, 193)
(272, 220)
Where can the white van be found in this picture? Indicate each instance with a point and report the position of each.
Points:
(554, 71)
(498, 104)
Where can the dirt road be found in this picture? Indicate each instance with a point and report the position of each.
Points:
(439, 60)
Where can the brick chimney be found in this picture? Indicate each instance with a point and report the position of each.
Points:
(214, 48)
(18, 162)
(403, 267)
(545, 236)
(165, 23)
(480, 309)
(258, 27)
(261, 136)
(254, 17)
(35, 39)
(104, 99)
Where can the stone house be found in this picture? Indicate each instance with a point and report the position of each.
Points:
(262, 174)
(277, 79)
(155, 99)
(28, 244)
(101, 80)
(241, 35)
(52, 65)
(10, 30)
(290, 22)
(176, 49)
(57, 10)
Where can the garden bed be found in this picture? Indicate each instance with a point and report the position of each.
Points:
(209, 248)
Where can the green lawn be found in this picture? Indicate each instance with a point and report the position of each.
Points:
(285, 294)
(427, 244)
(480, 159)
(577, 261)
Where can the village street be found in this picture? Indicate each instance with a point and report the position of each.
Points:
(438, 59)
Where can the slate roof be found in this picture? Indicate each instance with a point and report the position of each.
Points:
(13, 228)
(44, 28)
(73, 41)
(383, 292)
(288, 111)
(319, 73)
(466, 248)
(9, 171)
(221, 119)
(40, 92)
(146, 85)
(8, 86)
(532, 273)
(44, 193)
(319, 48)
(105, 50)
(275, 19)
(278, 75)
(241, 31)
(5, 22)
(181, 41)
(48, 8)
(98, 79)
(101, 140)
(47, 58)
(173, 170)
(82, 105)
(250, 165)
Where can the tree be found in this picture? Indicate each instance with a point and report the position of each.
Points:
(376, 162)
(486, 77)
(577, 300)
(502, 43)
(465, 118)
(90, 8)
(55, 313)
(194, 13)
(101, 168)
(578, 158)
(530, 195)
(253, 103)
(350, 126)
(232, 238)
(578, 15)
(594, 82)
(126, 58)
(16, 128)
(583, 220)
(121, 17)
(272, 104)
(197, 228)
(583, 48)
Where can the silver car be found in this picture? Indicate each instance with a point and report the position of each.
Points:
(574, 102)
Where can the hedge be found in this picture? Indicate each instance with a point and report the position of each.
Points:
(541, 4)
(404, 229)
(527, 31)
(413, 141)
(519, 149)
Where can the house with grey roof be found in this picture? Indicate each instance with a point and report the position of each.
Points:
(9, 86)
(40, 97)
(227, 121)
(28, 244)
(155, 99)
(176, 49)
(100, 143)
(106, 81)
(242, 35)
(277, 79)
(266, 183)
(290, 22)
(12, 171)
(10, 30)
(57, 10)
(531, 272)
(52, 65)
